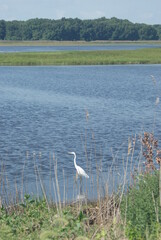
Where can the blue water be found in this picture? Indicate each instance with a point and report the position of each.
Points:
(77, 48)
(45, 112)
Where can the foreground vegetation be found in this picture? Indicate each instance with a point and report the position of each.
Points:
(34, 220)
(133, 212)
(137, 216)
(142, 56)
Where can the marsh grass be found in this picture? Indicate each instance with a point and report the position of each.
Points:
(142, 56)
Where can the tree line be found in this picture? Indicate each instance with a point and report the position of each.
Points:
(77, 29)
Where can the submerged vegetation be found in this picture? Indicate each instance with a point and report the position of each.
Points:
(141, 56)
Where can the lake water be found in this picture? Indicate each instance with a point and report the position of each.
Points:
(92, 110)
(77, 48)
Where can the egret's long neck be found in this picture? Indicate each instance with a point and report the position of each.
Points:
(75, 161)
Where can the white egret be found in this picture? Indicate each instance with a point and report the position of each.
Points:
(80, 170)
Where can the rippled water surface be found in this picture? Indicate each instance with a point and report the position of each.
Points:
(45, 112)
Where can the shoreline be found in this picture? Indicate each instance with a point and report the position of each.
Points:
(72, 43)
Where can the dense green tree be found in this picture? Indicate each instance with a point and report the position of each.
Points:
(14, 30)
(2, 29)
(148, 33)
(158, 29)
(88, 32)
(27, 32)
(130, 33)
(103, 30)
(77, 29)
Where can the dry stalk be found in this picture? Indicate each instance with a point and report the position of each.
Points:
(43, 190)
(57, 184)
(56, 202)
(160, 184)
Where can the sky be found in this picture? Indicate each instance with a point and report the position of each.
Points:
(136, 11)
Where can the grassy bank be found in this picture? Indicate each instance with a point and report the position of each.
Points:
(142, 56)
(70, 43)
(135, 215)
(33, 219)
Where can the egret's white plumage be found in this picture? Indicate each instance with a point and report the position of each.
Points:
(80, 170)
